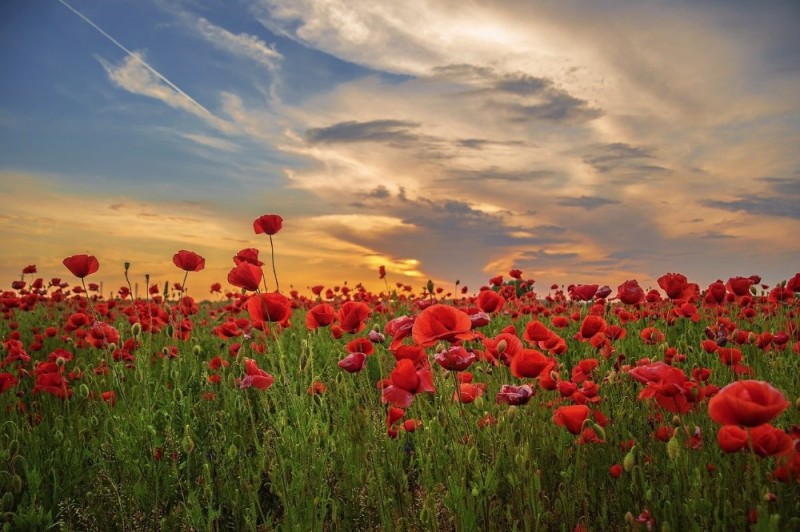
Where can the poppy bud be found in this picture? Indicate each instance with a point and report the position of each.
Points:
(673, 447)
(429, 286)
(60, 361)
(797, 403)
(770, 497)
(472, 454)
(18, 463)
(127, 266)
(197, 350)
(8, 501)
(84, 391)
(136, 329)
(475, 491)
(630, 460)
(600, 431)
(187, 444)
(502, 345)
(58, 436)
(676, 421)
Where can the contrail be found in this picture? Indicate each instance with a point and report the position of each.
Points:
(136, 57)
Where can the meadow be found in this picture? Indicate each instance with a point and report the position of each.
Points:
(410, 408)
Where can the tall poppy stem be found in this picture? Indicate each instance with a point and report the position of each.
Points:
(272, 255)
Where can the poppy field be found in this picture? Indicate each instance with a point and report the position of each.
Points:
(242, 406)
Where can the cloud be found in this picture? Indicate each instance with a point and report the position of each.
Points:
(241, 44)
(766, 206)
(587, 202)
(212, 142)
(133, 75)
(388, 131)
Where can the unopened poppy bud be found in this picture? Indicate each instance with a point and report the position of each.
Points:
(18, 463)
(475, 491)
(84, 391)
(187, 444)
(429, 286)
(197, 350)
(8, 501)
(600, 431)
(676, 421)
(631, 520)
(797, 403)
(770, 497)
(673, 447)
(440, 347)
(60, 361)
(472, 454)
(127, 266)
(630, 460)
(502, 345)
(58, 435)
(136, 329)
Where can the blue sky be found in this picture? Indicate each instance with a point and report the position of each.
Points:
(446, 140)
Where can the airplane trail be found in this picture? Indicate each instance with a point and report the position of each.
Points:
(137, 58)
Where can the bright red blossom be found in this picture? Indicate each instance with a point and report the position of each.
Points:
(82, 265)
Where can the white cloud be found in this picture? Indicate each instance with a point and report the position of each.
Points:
(134, 75)
(241, 44)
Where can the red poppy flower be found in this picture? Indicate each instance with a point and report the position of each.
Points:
(615, 471)
(320, 315)
(268, 224)
(441, 322)
(272, 307)
(514, 395)
(678, 287)
(468, 392)
(255, 376)
(748, 403)
(739, 286)
(7, 381)
(536, 331)
(630, 293)
(247, 255)
(529, 363)
(352, 316)
(353, 363)
(731, 438)
(490, 301)
(360, 345)
(188, 261)
(582, 292)
(591, 326)
(455, 358)
(571, 417)
(82, 265)
(406, 381)
(245, 275)
(766, 440)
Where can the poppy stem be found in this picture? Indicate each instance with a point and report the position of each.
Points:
(272, 256)
(183, 284)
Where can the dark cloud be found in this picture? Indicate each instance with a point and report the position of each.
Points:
(494, 173)
(608, 157)
(389, 131)
(714, 235)
(558, 107)
(783, 185)
(587, 202)
(523, 85)
(479, 144)
(782, 206)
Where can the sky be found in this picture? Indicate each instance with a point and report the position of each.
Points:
(580, 142)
